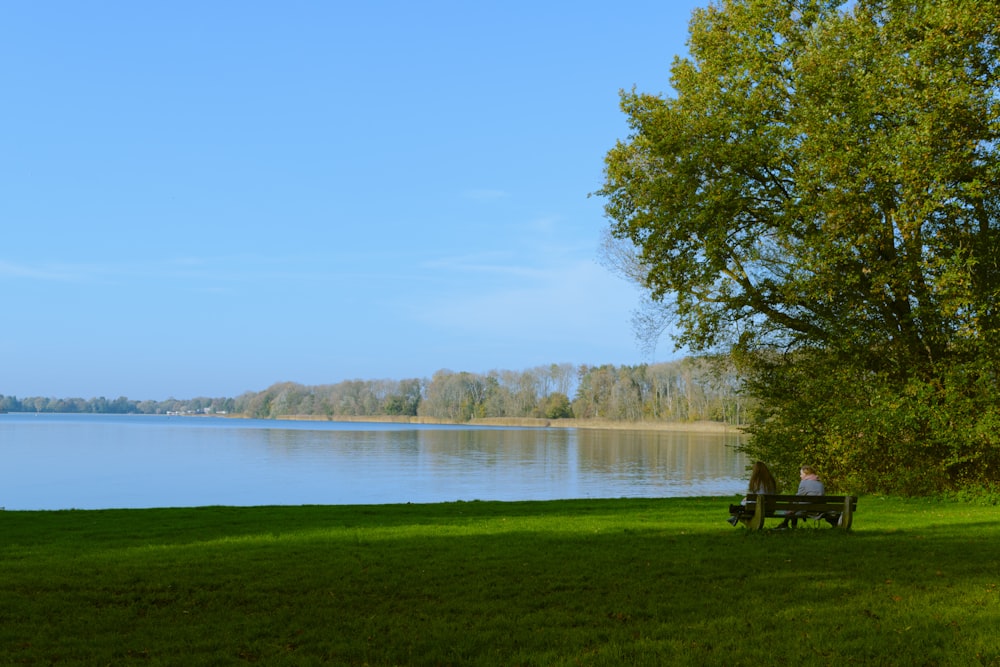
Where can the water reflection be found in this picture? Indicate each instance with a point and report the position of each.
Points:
(677, 456)
(60, 461)
(428, 464)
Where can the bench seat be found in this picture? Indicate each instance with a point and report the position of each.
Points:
(765, 506)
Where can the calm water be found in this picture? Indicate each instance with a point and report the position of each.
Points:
(98, 461)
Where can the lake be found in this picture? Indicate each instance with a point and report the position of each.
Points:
(60, 461)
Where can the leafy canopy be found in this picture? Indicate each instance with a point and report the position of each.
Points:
(820, 195)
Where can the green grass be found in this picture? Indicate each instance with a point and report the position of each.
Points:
(586, 582)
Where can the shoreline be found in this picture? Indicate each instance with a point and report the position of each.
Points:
(530, 422)
(503, 422)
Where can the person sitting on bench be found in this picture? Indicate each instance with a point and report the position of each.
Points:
(809, 485)
(761, 481)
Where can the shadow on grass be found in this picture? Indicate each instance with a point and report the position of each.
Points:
(181, 525)
(596, 582)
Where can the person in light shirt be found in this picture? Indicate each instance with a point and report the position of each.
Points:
(809, 485)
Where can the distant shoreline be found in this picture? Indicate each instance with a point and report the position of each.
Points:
(508, 422)
(527, 422)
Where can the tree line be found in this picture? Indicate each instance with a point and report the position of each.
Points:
(689, 389)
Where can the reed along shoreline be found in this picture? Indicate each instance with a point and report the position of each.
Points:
(529, 422)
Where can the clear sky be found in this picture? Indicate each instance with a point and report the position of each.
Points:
(204, 198)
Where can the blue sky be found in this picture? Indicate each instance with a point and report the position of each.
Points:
(205, 198)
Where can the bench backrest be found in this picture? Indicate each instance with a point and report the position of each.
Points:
(773, 502)
(764, 505)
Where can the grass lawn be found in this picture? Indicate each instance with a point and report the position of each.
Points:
(582, 582)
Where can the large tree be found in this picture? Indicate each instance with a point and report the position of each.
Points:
(819, 197)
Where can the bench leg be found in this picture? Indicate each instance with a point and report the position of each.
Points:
(756, 522)
(847, 516)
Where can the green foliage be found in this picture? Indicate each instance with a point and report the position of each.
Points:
(986, 495)
(871, 433)
(556, 406)
(822, 191)
(406, 400)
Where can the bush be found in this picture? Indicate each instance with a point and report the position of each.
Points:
(870, 433)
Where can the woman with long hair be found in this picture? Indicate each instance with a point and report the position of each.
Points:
(761, 481)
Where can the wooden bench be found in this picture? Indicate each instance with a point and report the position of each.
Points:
(767, 506)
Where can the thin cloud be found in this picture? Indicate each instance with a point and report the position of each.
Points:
(45, 272)
(557, 302)
(495, 263)
(220, 268)
(485, 194)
